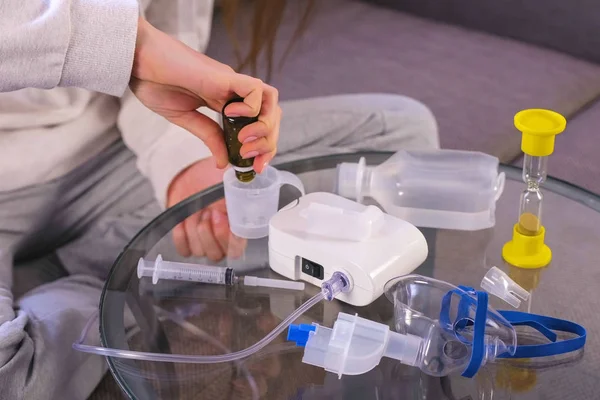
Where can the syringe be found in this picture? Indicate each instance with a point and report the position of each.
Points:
(161, 269)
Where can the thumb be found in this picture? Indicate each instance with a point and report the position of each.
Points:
(206, 130)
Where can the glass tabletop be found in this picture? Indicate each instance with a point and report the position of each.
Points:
(190, 318)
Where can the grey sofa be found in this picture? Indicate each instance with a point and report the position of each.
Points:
(474, 63)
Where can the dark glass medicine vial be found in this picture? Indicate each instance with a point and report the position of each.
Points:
(244, 170)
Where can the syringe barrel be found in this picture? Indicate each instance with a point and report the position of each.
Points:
(195, 273)
(173, 270)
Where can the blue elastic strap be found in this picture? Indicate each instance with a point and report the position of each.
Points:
(549, 324)
(481, 304)
(478, 336)
(463, 306)
(545, 325)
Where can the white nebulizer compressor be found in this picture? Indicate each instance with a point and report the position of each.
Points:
(321, 233)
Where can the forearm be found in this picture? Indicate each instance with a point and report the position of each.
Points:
(164, 149)
(83, 43)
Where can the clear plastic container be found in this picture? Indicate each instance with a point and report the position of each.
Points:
(446, 189)
(250, 205)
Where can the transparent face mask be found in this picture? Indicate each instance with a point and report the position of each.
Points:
(444, 316)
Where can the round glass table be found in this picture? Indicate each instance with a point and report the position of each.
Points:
(201, 319)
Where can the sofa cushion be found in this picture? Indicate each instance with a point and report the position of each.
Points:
(570, 26)
(473, 82)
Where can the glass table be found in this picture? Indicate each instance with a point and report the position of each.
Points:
(190, 318)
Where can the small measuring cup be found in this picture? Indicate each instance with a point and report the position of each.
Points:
(251, 205)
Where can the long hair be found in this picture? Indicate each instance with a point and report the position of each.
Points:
(267, 16)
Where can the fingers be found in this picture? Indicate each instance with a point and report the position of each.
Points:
(191, 230)
(251, 90)
(261, 140)
(223, 235)
(180, 240)
(229, 244)
(262, 160)
(209, 242)
(207, 234)
(236, 247)
(206, 130)
(261, 137)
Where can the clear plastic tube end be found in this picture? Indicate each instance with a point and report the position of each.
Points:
(339, 283)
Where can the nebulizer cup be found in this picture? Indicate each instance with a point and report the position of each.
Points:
(250, 205)
(443, 316)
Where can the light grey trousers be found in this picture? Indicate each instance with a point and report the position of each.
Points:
(59, 239)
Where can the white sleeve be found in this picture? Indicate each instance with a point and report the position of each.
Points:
(88, 44)
(164, 149)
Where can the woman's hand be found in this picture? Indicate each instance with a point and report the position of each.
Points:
(174, 81)
(205, 233)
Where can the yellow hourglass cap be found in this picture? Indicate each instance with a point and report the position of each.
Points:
(539, 128)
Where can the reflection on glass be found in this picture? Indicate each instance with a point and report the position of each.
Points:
(515, 379)
(528, 279)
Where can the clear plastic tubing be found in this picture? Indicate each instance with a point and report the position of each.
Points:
(530, 210)
(331, 288)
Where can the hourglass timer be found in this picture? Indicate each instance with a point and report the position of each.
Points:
(539, 129)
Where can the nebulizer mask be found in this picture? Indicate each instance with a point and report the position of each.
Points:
(450, 321)
(438, 327)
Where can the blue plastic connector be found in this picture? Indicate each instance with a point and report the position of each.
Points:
(300, 333)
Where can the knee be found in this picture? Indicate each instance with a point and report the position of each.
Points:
(410, 120)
